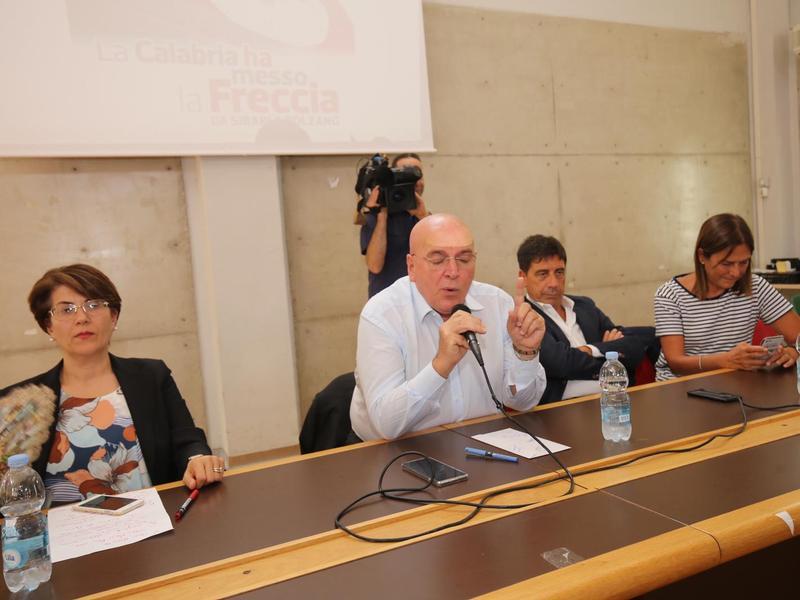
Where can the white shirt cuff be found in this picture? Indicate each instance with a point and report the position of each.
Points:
(425, 383)
(595, 352)
(525, 371)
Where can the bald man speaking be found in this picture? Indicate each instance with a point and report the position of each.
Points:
(413, 366)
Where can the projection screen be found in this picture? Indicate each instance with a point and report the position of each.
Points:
(212, 77)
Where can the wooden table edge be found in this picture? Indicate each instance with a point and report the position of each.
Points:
(629, 571)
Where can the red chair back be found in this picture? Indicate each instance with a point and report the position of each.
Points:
(762, 330)
(645, 372)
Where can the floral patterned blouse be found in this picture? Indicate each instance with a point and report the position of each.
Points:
(95, 449)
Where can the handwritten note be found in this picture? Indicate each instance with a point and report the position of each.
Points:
(75, 533)
(518, 442)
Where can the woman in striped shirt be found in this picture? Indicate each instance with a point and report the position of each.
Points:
(706, 319)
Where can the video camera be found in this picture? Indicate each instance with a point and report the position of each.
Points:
(397, 185)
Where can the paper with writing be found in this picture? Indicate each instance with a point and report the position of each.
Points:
(518, 442)
(75, 533)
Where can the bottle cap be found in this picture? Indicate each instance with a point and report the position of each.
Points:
(18, 460)
(611, 355)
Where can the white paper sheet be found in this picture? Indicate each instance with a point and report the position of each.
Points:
(75, 533)
(518, 442)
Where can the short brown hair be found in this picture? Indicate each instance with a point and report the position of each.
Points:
(84, 279)
(719, 233)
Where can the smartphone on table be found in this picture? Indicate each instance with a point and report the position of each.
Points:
(713, 395)
(443, 474)
(109, 505)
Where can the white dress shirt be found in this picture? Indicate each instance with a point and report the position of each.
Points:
(574, 333)
(398, 390)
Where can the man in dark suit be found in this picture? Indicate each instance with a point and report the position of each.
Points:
(578, 333)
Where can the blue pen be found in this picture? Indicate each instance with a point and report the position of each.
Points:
(489, 454)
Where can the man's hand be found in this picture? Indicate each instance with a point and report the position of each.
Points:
(452, 344)
(586, 350)
(525, 326)
(421, 211)
(612, 334)
(372, 201)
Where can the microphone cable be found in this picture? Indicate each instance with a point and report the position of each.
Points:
(393, 493)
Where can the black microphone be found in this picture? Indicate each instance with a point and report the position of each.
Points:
(470, 335)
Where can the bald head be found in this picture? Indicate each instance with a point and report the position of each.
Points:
(441, 230)
(442, 261)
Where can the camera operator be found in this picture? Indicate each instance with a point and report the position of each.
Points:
(384, 236)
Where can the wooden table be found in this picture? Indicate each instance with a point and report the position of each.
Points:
(267, 531)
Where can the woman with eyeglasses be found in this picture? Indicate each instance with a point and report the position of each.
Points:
(705, 319)
(120, 423)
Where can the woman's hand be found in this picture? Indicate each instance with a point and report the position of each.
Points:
(202, 470)
(784, 356)
(746, 357)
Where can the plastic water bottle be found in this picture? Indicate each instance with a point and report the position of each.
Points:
(26, 546)
(615, 404)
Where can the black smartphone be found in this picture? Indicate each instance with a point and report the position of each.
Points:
(443, 474)
(710, 395)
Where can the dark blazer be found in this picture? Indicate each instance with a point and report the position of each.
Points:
(562, 363)
(327, 422)
(164, 427)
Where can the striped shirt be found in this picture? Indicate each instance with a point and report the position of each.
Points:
(716, 324)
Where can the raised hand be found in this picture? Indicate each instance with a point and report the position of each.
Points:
(525, 326)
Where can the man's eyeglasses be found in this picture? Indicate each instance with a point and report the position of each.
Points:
(439, 261)
(63, 311)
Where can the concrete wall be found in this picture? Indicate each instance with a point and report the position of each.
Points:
(619, 139)
(124, 216)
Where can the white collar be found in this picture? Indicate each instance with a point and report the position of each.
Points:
(566, 302)
(422, 309)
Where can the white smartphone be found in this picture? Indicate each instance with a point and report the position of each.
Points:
(772, 343)
(109, 505)
(443, 474)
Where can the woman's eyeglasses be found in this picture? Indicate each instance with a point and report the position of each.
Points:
(63, 311)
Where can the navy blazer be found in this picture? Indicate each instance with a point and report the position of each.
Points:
(562, 363)
(164, 426)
